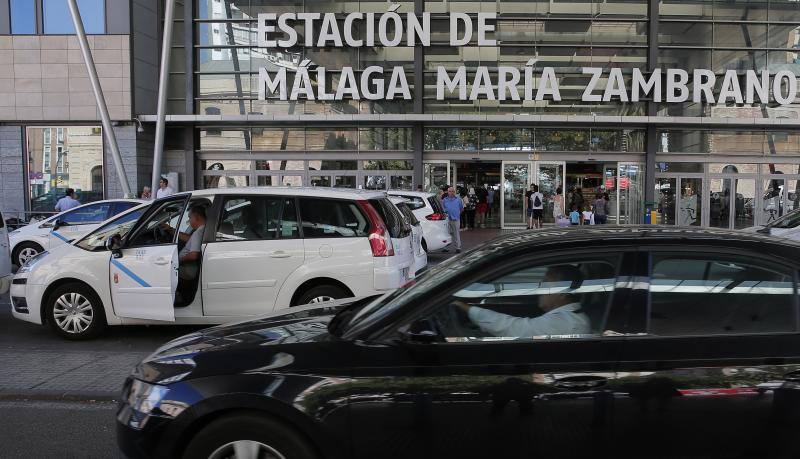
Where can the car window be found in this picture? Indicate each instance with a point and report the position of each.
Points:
(93, 213)
(257, 218)
(121, 206)
(714, 295)
(332, 218)
(398, 228)
(410, 218)
(96, 240)
(154, 230)
(436, 204)
(562, 299)
(414, 202)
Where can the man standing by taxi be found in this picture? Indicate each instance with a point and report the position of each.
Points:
(453, 206)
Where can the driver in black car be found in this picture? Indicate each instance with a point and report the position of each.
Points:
(562, 312)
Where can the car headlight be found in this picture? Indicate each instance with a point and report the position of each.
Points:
(144, 397)
(26, 268)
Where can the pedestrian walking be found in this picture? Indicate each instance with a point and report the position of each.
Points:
(483, 206)
(453, 207)
(535, 208)
(164, 189)
(600, 210)
(558, 204)
(146, 194)
(489, 200)
(575, 217)
(471, 206)
(69, 201)
(588, 216)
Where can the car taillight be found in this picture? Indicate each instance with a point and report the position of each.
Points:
(380, 241)
(435, 217)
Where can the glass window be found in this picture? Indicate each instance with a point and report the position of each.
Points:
(154, 231)
(718, 295)
(257, 218)
(414, 202)
(390, 165)
(23, 17)
(385, 139)
(58, 20)
(329, 139)
(94, 213)
(327, 218)
(76, 162)
(398, 229)
(409, 216)
(119, 207)
(567, 299)
(226, 181)
(96, 240)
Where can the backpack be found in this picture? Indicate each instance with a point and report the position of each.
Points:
(536, 201)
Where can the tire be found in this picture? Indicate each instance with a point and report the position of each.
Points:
(70, 298)
(321, 293)
(216, 440)
(27, 250)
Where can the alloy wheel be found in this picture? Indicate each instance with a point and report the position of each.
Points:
(321, 299)
(73, 313)
(26, 254)
(246, 449)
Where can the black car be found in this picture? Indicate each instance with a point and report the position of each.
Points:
(635, 341)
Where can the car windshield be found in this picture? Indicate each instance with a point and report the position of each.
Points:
(427, 284)
(789, 220)
(96, 240)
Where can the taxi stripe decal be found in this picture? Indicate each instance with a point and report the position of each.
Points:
(130, 273)
(56, 234)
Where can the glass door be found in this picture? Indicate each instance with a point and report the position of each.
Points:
(630, 194)
(550, 177)
(690, 207)
(435, 175)
(515, 179)
(732, 202)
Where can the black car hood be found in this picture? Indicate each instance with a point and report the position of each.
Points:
(252, 345)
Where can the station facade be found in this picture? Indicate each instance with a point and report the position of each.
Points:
(730, 165)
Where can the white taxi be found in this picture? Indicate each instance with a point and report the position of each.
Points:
(261, 249)
(30, 240)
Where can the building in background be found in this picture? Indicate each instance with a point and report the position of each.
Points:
(696, 164)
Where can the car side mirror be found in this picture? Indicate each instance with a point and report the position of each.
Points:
(765, 230)
(114, 245)
(58, 224)
(420, 332)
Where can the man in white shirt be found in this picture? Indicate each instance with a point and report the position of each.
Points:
(163, 189)
(562, 312)
(70, 201)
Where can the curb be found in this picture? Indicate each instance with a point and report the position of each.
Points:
(52, 396)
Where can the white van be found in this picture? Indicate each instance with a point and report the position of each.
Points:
(30, 240)
(262, 249)
(428, 209)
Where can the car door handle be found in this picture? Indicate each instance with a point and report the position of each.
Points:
(161, 261)
(581, 382)
(280, 254)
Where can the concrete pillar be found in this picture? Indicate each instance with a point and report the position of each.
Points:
(12, 172)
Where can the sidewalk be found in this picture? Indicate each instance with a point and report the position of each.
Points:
(64, 375)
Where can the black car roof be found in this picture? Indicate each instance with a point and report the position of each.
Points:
(588, 237)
